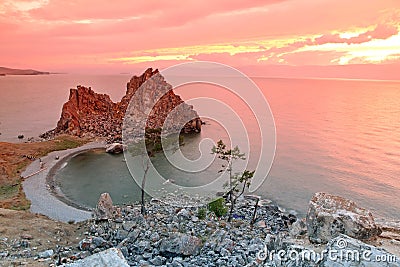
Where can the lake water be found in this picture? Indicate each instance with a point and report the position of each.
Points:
(337, 136)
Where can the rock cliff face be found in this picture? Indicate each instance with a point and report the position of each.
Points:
(87, 113)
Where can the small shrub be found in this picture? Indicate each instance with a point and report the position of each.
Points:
(218, 207)
(202, 213)
(238, 182)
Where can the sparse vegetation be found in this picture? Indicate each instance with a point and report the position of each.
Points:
(218, 207)
(201, 213)
(14, 158)
(154, 144)
(237, 182)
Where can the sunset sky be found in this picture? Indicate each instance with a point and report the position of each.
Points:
(322, 38)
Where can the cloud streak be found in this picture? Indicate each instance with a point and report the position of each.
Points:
(63, 35)
(380, 32)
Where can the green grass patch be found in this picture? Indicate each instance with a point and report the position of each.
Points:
(62, 143)
(9, 191)
(202, 213)
(24, 206)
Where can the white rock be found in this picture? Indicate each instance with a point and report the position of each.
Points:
(108, 258)
(357, 253)
(115, 148)
(46, 254)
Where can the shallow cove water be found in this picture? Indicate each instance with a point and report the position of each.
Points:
(77, 178)
(337, 136)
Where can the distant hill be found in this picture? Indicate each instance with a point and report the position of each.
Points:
(8, 71)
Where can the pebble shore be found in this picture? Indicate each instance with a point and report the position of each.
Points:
(170, 236)
(37, 189)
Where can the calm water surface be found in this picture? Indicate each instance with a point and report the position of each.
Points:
(338, 136)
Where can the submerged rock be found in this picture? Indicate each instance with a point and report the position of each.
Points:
(329, 216)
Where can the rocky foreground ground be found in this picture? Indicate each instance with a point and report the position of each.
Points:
(169, 236)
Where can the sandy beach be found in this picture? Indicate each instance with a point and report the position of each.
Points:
(39, 188)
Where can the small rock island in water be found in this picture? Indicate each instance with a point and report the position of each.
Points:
(89, 114)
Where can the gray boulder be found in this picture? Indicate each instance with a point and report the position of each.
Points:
(329, 216)
(298, 229)
(347, 251)
(342, 251)
(107, 258)
(180, 245)
(105, 209)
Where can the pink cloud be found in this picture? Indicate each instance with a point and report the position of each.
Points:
(173, 12)
(50, 35)
(239, 59)
(329, 38)
(380, 32)
(100, 9)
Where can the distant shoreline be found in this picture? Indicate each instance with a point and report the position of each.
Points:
(33, 74)
(9, 71)
(28, 74)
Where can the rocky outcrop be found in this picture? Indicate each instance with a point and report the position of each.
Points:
(87, 113)
(169, 113)
(329, 216)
